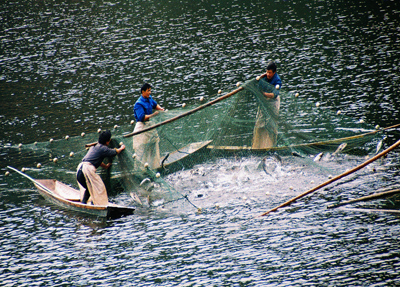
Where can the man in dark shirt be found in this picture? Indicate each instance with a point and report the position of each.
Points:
(90, 183)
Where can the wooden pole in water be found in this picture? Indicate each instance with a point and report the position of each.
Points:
(374, 210)
(187, 113)
(339, 140)
(365, 198)
(335, 178)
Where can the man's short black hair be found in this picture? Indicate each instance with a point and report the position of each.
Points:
(145, 87)
(104, 137)
(271, 66)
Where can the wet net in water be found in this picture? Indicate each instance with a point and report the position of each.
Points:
(239, 123)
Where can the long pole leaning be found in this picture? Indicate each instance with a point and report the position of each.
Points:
(366, 198)
(31, 179)
(187, 113)
(379, 155)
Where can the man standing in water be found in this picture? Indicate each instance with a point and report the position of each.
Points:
(90, 183)
(146, 145)
(265, 130)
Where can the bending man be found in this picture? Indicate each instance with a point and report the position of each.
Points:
(90, 183)
(266, 130)
(146, 145)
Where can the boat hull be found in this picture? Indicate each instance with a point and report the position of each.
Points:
(68, 198)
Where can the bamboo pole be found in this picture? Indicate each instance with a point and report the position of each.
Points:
(187, 113)
(236, 148)
(366, 198)
(31, 179)
(379, 155)
(374, 210)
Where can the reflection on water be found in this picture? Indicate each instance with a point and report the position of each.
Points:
(70, 66)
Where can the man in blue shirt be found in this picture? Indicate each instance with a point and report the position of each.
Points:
(266, 130)
(146, 145)
(272, 77)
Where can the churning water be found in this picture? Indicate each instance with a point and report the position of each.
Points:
(73, 66)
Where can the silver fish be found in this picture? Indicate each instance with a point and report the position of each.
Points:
(340, 148)
(380, 144)
(136, 198)
(271, 164)
(318, 156)
(295, 153)
(145, 181)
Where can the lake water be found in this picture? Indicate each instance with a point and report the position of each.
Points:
(75, 66)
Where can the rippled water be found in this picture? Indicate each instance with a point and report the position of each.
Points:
(73, 66)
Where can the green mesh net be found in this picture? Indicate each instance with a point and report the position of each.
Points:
(240, 122)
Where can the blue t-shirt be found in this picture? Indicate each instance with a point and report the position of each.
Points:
(97, 153)
(143, 107)
(276, 80)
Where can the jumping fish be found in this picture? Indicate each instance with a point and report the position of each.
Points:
(271, 164)
(318, 156)
(340, 148)
(145, 181)
(296, 154)
(380, 144)
(136, 198)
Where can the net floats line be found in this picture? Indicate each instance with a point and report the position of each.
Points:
(379, 155)
(237, 148)
(187, 113)
(366, 198)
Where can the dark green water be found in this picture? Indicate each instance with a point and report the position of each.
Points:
(75, 66)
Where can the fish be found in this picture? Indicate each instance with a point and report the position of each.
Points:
(296, 154)
(147, 185)
(164, 159)
(271, 164)
(340, 148)
(380, 144)
(145, 181)
(136, 198)
(318, 156)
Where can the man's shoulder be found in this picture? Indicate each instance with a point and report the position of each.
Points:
(139, 101)
(276, 79)
(103, 148)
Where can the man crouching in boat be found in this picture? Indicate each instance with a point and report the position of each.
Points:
(146, 145)
(90, 183)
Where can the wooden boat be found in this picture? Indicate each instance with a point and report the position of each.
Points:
(182, 153)
(69, 198)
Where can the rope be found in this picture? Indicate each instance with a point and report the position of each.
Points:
(183, 197)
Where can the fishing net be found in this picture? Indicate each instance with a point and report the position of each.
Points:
(241, 122)
(246, 122)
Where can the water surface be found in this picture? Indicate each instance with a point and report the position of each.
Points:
(74, 66)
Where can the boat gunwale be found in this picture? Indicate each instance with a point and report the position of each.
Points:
(99, 210)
